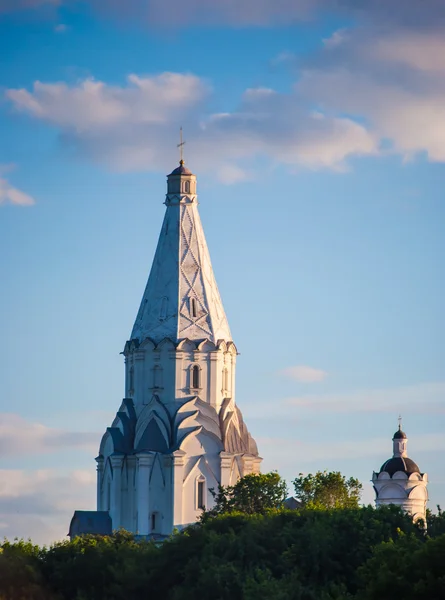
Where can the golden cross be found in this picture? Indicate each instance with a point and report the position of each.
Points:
(400, 421)
(181, 146)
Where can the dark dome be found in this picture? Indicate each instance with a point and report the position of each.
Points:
(398, 463)
(181, 170)
(399, 435)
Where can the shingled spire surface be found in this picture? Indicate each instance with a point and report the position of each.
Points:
(181, 298)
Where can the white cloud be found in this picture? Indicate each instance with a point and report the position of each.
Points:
(61, 28)
(304, 373)
(19, 437)
(39, 504)
(135, 126)
(94, 105)
(392, 78)
(378, 84)
(10, 194)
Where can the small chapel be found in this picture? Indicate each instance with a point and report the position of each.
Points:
(178, 432)
(400, 482)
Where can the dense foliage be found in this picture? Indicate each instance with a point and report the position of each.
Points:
(252, 494)
(247, 548)
(309, 554)
(327, 490)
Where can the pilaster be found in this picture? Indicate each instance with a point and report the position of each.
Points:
(214, 392)
(139, 376)
(177, 474)
(247, 465)
(145, 461)
(99, 472)
(226, 465)
(116, 490)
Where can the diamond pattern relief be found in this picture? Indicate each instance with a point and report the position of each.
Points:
(182, 271)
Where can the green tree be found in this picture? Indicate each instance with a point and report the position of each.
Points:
(435, 522)
(20, 574)
(327, 490)
(407, 567)
(254, 493)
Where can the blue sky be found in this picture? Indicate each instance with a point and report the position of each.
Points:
(316, 131)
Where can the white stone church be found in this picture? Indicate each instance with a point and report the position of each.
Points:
(178, 431)
(400, 481)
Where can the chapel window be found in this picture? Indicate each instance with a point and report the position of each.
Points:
(187, 187)
(195, 377)
(200, 494)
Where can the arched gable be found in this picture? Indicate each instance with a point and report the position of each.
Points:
(186, 345)
(157, 411)
(419, 492)
(400, 475)
(154, 437)
(148, 344)
(392, 492)
(166, 343)
(206, 346)
(221, 345)
(106, 445)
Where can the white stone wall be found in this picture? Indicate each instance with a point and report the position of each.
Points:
(167, 372)
(408, 492)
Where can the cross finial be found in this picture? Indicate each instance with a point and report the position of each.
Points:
(400, 422)
(181, 147)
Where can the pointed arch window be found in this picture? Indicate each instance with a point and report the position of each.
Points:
(193, 308)
(155, 521)
(200, 493)
(196, 377)
(187, 187)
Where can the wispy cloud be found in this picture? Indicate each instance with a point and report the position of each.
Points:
(319, 450)
(386, 71)
(304, 374)
(10, 194)
(133, 127)
(19, 437)
(423, 397)
(39, 504)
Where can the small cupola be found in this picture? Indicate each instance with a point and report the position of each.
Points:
(399, 460)
(181, 181)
